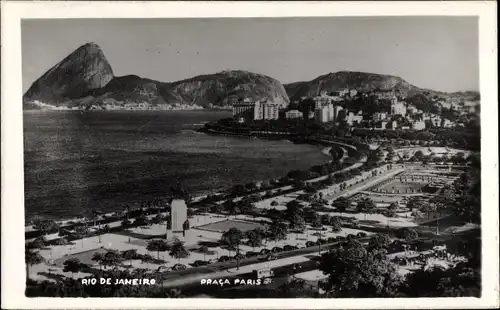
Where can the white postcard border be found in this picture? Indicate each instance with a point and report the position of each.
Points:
(13, 269)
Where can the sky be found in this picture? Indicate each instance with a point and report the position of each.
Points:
(439, 53)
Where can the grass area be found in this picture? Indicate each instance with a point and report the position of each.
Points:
(396, 186)
(223, 226)
(84, 257)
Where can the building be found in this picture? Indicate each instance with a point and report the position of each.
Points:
(266, 110)
(435, 120)
(321, 115)
(381, 125)
(343, 92)
(397, 108)
(446, 123)
(352, 118)
(322, 100)
(179, 215)
(336, 111)
(419, 125)
(244, 109)
(379, 116)
(293, 114)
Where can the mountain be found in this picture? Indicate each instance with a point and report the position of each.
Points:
(361, 81)
(224, 87)
(84, 70)
(85, 78)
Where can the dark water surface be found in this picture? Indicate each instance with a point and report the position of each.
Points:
(106, 159)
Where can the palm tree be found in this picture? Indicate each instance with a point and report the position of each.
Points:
(32, 258)
(157, 245)
(97, 257)
(178, 251)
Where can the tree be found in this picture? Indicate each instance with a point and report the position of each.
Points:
(341, 204)
(111, 258)
(292, 208)
(414, 203)
(146, 258)
(392, 207)
(38, 243)
(366, 206)
(380, 241)
(232, 238)
(98, 258)
(335, 223)
(158, 245)
(82, 232)
(32, 258)
(254, 239)
(407, 233)
(278, 231)
(179, 251)
(72, 265)
(129, 255)
(298, 223)
(355, 272)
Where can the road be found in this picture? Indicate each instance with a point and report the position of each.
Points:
(193, 276)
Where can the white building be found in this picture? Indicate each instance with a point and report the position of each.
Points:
(379, 116)
(397, 108)
(336, 111)
(419, 125)
(293, 114)
(352, 118)
(321, 115)
(179, 215)
(322, 100)
(266, 110)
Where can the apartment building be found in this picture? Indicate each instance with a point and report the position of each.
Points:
(293, 114)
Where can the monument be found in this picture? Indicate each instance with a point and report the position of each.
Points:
(179, 215)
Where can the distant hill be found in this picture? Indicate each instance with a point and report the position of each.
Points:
(224, 87)
(85, 78)
(365, 82)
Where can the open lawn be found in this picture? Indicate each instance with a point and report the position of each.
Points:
(223, 226)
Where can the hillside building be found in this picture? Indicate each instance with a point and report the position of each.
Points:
(244, 109)
(322, 115)
(397, 108)
(418, 125)
(336, 111)
(379, 116)
(293, 114)
(266, 110)
(352, 118)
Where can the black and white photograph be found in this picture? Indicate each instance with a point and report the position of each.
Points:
(274, 157)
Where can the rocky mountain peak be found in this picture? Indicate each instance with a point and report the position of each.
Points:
(82, 71)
